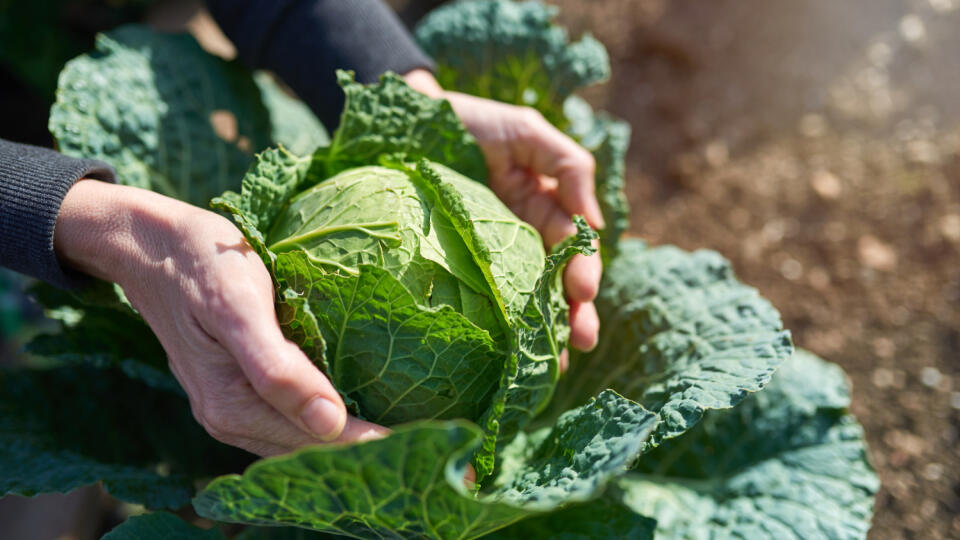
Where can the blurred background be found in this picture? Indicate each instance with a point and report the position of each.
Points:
(814, 144)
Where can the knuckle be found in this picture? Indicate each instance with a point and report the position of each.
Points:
(583, 162)
(275, 376)
(531, 120)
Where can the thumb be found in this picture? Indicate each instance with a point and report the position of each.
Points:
(282, 375)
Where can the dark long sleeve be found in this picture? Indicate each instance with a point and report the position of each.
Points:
(305, 41)
(33, 183)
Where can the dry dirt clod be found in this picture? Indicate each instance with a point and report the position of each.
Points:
(875, 254)
(826, 185)
(950, 227)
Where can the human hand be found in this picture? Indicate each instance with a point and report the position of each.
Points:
(545, 178)
(209, 299)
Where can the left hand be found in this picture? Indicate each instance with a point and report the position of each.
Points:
(545, 178)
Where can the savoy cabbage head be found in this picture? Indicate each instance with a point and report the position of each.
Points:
(435, 310)
(410, 285)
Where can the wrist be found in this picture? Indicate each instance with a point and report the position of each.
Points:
(102, 230)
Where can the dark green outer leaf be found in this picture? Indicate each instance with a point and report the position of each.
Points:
(680, 335)
(511, 52)
(68, 427)
(789, 462)
(152, 104)
(409, 484)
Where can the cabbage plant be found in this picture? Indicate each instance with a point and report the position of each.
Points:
(436, 311)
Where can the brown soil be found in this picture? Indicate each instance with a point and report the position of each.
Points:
(817, 146)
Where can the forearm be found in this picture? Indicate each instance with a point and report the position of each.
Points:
(33, 183)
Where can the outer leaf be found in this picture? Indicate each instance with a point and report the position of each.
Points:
(789, 462)
(64, 428)
(409, 484)
(294, 124)
(164, 113)
(510, 51)
(680, 335)
(392, 118)
(161, 526)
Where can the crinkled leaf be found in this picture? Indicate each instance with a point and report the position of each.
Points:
(68, 427)
(275, 176)
(161, 526)
(294, 124)
(608, 139)
(409, 484)
(167, 115)
(789, 462)
(511, 52)
(680, 335)
(392, 118)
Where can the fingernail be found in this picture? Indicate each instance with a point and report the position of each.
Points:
(324, 419)
(599, 217)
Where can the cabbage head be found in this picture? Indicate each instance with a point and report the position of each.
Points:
(392, 358)
(408, 282)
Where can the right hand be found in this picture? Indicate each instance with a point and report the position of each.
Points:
(209, 299)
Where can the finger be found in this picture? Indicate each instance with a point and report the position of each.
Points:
(584, 325)
(358, 430)
(470, 477)
(283, 376)
(581, 277)
(553, 223)
(552, 153)
(564, 360)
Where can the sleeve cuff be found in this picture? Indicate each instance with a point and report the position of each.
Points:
(33, 184)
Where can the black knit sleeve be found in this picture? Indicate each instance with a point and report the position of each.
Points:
(305, 41)
(33, 183)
